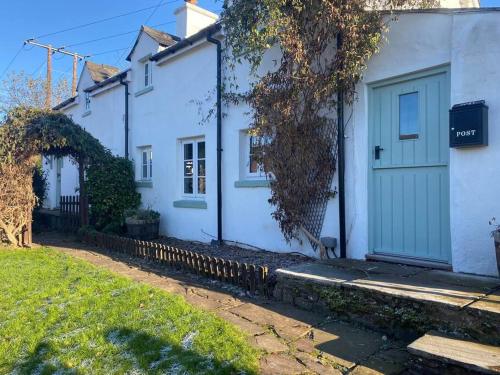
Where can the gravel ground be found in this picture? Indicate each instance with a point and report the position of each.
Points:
(243, 255)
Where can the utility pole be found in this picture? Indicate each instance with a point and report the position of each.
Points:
(75, 67)
(48, 82)
(50, 52)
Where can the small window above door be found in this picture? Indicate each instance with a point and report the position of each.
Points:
(408, 116)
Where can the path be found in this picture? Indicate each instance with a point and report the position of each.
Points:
(294, 341)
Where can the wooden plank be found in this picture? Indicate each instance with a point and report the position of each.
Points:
(466, 354)
(244, 276)
(251, 279)
(262, 280)
(247, 276)
(236, 273)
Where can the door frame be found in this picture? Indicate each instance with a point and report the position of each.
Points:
(423, 73)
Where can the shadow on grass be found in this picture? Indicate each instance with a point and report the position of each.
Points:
(43, 360)
(136, 352)
(151, 354)
(345, 342)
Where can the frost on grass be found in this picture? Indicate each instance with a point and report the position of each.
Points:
(117, 338)
(187, 341)
(175, 369)
(163, 357)
(208, 363)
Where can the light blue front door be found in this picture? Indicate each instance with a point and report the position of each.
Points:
(409, 178)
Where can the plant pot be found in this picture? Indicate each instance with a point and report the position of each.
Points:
(144, 230)
(496, 237)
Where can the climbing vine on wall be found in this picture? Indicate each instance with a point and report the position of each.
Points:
(294, 105)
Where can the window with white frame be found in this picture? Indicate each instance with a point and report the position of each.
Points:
(194, 168)
(253, 168)
(147, 74)
(87, 101)
(146, 163)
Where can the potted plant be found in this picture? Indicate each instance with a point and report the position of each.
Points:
(495, 233)
(142, 224)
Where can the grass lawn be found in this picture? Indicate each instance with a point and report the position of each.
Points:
(66, 316)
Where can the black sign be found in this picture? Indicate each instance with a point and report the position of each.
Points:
(469, 124)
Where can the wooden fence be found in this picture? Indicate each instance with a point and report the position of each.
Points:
(69, 209)
(247, 276)
(70, 205)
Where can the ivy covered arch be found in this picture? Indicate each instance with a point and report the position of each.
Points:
(25, 134)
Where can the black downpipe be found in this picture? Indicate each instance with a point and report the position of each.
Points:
(126, 116)
(341, 163)
(218, 43)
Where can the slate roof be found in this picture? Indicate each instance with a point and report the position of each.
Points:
(186, 42)
(64, 103)
(162, 38)
(100, 72)
(112, 79)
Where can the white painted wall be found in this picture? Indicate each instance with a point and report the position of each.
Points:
(475, 172)
(467, 41)
(191, 18)
(170, 112)
(105, 121)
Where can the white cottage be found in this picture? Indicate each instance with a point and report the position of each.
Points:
(409, 196)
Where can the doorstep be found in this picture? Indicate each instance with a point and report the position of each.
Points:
(411, 300)
(435, 353)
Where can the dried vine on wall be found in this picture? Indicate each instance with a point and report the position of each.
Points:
(294, 105)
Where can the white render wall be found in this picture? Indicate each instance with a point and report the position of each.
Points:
(475, 172)
(105, 121)
(467, 42)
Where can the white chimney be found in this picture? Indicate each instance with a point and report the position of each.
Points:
(190, 19)
(459, 3)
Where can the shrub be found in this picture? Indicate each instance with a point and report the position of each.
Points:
(40, 185)
(111, 190)
(142, 214)
(16, 201)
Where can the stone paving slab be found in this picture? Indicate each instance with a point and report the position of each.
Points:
(344, 344)
(477, 283)
(374, 268)
(292, 341)
(408, 282)
(279, 364)
(418, 290)
(466, 354)
(490, 303)
(322, 273)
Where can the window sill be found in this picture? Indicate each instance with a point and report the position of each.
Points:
(144, 184)
(144, 91)
(86, 113)
(252, 183)
(190, 203)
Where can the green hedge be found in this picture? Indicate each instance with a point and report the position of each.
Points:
(110, 186)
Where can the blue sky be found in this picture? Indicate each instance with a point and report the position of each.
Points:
(25, 19)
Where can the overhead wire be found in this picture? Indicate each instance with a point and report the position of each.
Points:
(154, 7)
(110, 51)
(112, 36)
(11, 61)
(39, 67)
(105, 19)
(160, 3)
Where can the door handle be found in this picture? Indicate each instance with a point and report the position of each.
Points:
(377, 152)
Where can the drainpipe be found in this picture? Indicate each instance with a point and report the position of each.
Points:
(218, 43)
(126, 116)
(341, 163)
